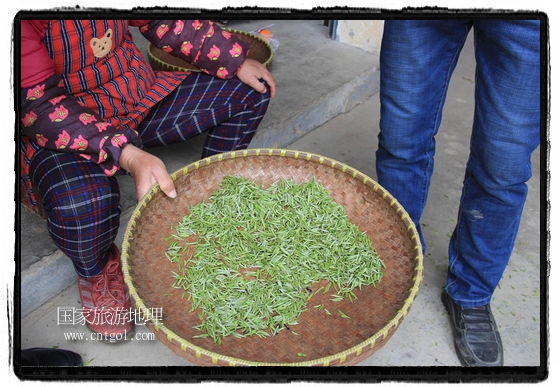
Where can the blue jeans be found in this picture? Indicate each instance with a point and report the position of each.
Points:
(416, 63)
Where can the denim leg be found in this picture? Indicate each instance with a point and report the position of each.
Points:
(506, 130)
(416, 62)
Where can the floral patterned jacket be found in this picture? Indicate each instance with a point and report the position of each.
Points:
(85, 86)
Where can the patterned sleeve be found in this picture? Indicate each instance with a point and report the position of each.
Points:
(199, 42)
(56, 120)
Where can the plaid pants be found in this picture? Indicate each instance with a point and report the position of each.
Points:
(83, 204)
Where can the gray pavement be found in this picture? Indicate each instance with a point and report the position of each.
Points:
(327, 103)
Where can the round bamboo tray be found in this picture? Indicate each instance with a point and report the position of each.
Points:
(260, 50)
(325, 341)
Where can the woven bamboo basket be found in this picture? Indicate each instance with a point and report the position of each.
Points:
(260, 50)
(375, 315)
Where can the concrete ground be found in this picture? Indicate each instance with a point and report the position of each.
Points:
(327, 103)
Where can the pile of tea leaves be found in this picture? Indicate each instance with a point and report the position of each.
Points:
(247, 257)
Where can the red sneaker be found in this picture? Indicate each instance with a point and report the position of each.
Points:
(106, 303)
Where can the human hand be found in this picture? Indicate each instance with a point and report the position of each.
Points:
(252, 72)
(147, 170)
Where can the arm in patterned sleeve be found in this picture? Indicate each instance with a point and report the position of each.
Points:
(200, 42)
(55, 119)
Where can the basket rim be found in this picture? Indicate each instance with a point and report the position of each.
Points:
(196, 69)
(340, 357)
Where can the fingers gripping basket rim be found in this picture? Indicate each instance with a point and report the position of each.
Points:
(190, 350)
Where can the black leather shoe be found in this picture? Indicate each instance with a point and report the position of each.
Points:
(476, 339)
(50, 357)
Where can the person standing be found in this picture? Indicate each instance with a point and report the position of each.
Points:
(417, 60)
